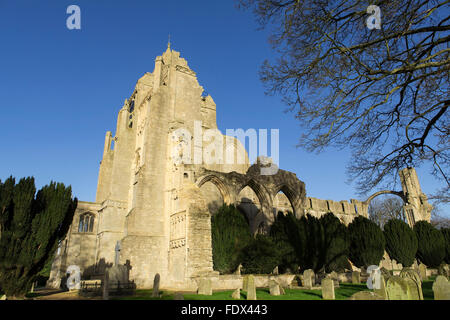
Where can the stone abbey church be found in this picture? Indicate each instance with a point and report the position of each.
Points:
(152, 213)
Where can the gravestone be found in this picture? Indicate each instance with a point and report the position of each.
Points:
(423, 272)
(381, 289)
(238, 270)
(441, 288)
(308, 278)
(282, 289)
(398, 288)
(328, 289)
(251, 288)
(413, 275)
(356, 277)
(3, 297)
(275, 270)
(105, 293)
(205, 287)
(335, 277)
(156, 280)
(245, 283)
(274, 288)
(444, 270)
(365, 295)
(118, 273)
(296, 282)
(236, 295)
(178, 296)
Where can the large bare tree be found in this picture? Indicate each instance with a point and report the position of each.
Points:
(384, 93)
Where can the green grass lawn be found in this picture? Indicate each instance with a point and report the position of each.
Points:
(342, 293)
(345, 291)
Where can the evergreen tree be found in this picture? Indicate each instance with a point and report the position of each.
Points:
(401, 242)
(367, 242)
(431, 244)
(310, 243)
(230, 233)
(260, 256)
(282, 232)
(31, 226)
(337, 243)
(446, 234)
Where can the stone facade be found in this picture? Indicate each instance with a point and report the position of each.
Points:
(152, 211)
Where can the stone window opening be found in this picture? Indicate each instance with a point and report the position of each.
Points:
(86, 223)
(186, 175)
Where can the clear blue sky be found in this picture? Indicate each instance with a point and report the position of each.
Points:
(60, 89)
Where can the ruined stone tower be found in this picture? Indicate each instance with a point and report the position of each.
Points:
(157, 187)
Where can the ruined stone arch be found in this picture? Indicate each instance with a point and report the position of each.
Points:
(289, 193)
(265, 214)
(410, 219)
(219, 183)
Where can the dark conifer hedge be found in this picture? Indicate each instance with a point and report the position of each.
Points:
(31, 224)
(260, 256)
(401, 242)
(367, 242)
(446, 234)
(431, 244)
(230, 233)
(337, 243)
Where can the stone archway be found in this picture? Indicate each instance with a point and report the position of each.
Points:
(416, 204)
(263, 217)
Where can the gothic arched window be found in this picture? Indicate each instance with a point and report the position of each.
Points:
(86, 222)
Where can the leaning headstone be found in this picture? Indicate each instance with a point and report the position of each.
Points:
(236, 295)
(441, 288)
(274, 288)
(105, 293)
(205, 287)
(398, 288)
(178, 296)
(356, 277)
(413, 275)
(328, 289)
(275, 270)
(3, 297)
(251, 288)
(365, 295)
(423, 272)
(238, 270)
(156, 280)
(380, 288)
(308, 278)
